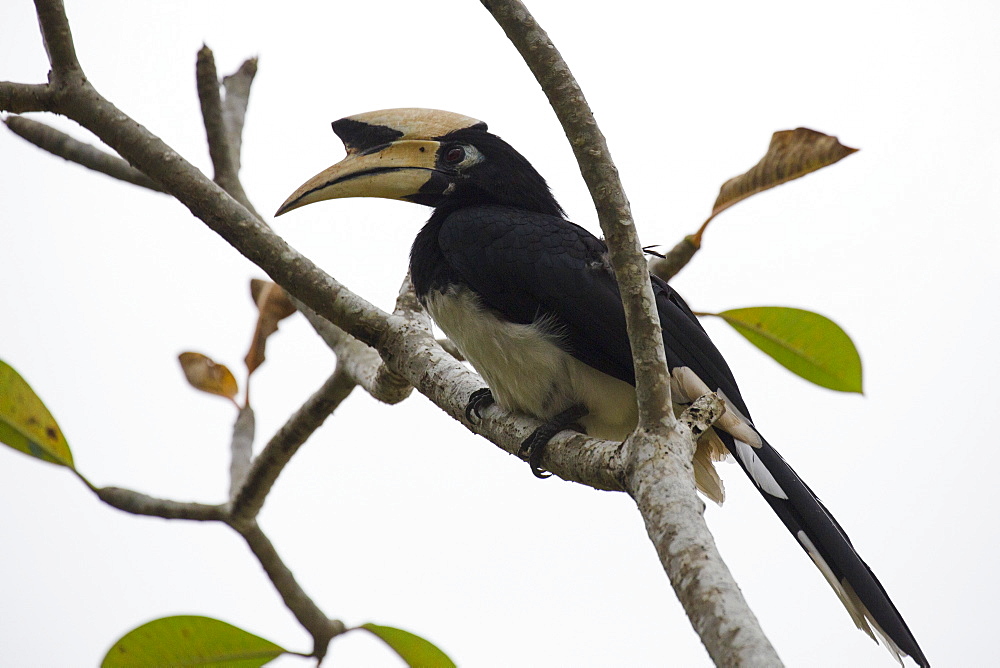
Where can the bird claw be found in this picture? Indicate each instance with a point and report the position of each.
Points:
(479, 401)
(533, 448)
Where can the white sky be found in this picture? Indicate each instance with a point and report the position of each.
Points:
(400, 516)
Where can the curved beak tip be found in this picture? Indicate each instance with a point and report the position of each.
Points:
(294, 201)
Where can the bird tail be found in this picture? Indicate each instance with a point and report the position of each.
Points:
(828, 545)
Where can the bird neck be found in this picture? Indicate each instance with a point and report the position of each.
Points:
(525, 194)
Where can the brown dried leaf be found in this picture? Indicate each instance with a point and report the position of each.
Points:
(792, 153)
(273, 305)
(205, 375)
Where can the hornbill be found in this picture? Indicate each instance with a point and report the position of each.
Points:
(530, 300)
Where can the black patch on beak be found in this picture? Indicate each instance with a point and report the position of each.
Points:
(361, 136)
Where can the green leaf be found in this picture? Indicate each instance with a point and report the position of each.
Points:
(417, 652)
(25, 422)
(804, 342)
(189, 640)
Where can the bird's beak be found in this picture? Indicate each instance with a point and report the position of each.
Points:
(400, 170)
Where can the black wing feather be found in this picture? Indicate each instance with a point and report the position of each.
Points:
(527, 266)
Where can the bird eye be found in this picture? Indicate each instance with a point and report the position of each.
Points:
(454, 155)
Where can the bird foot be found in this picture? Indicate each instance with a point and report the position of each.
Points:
(479, 401)
(533, 448)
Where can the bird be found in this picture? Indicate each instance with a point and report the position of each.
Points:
(530, 300)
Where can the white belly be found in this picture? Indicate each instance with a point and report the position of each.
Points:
(527, 370)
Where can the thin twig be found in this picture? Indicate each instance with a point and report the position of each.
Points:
(269, 464)
(138, 503)
(223, 144)
(672, 262)
(241, 449)
(234, 106)
(61, 144)
(320, 627)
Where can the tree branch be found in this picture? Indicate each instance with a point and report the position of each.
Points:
(320, 627)
(58, 40)
(61, 144)
(601, 176)
(663, 488)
